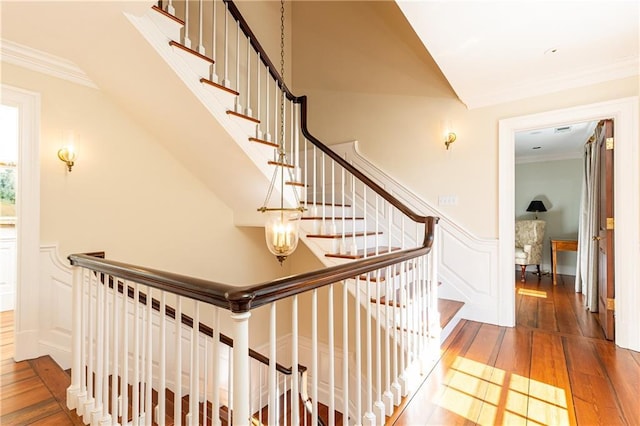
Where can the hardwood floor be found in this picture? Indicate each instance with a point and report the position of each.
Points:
(31, 392)
(553, 368)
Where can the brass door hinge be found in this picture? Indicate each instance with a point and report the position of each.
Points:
(610, 223)
(609, 143)
(611, 304)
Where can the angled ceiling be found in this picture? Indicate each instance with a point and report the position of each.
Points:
(493, 52)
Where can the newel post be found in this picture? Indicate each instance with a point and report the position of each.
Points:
(76, 339)
(241, 391)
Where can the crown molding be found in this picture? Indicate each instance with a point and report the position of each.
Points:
(594, 75)
(43, 62)
(551, 157)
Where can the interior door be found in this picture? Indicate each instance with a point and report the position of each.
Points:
(606, 234)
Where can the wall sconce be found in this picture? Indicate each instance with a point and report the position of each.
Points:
(449, 135)
(67, 154)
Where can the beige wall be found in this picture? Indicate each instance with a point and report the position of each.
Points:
(127, 196)
(368, 78)
(558, 184)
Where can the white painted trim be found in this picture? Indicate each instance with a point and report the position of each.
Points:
(626, 206)
(46, 63)
(28, 220)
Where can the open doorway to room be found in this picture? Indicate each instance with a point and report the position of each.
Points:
(555, 211)
(23, 108)
(8, 218)
(626, 185)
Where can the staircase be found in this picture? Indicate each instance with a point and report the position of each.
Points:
(382, 321)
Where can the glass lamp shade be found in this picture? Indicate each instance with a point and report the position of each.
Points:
(281, 232)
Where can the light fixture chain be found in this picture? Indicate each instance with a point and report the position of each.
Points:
(281, 156)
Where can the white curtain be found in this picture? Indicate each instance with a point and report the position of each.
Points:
(587, 265)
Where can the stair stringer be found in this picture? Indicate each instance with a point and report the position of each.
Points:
(217, 104)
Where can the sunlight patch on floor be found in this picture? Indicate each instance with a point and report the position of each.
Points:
(534, 293)
(484, 394)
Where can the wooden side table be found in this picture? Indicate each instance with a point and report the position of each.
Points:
(560, 245)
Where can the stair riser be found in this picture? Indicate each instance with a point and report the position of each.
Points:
(315, 226)
(328, 211)
(338, 245)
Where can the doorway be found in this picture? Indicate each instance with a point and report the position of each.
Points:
(627, 182)
(27, 222)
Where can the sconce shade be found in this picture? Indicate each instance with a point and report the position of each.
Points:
(67, 154)
(536, 206)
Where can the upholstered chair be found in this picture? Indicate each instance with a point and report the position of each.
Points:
(529, 238)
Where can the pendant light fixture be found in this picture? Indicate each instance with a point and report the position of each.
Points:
(282, 223)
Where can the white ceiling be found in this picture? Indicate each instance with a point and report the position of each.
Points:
(498, 51)
(493, 52)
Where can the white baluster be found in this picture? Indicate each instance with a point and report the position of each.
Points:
(214, 75)
(136, 354)
(225, 81)
(162, 373)
(379, 405)
(105, 418)
(241, 391)
(258, 95)
(369, 417)
(273, 396)
(331, 405)
(177, 405)
(116, 353)
(205, 377)
(170, 9)
(90, 401)
(343, 240)
(295, 392)
(358, 342)
(238, 87)
(267, 135)
(323, 186)
(186, 41)
(76, 335)
(84, 331)
(194, 385)
(354, 246)
(148, 408)
(124, 382)
(345, 352)
(200, 42)
(314, 355)
(247, 110)
(215, 357)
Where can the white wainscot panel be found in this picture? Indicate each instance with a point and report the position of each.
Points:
(469, 266)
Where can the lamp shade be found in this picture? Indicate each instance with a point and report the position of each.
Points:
(536, 206)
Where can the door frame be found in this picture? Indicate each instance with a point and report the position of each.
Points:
(26, 313)
(626, 209)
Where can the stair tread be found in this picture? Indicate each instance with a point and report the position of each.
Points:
(244, 116)
(167, 14)
(331, 218)
(448, 309)
(280, 164)
(218, 86)
(190, 50)
(371, 251)
(265, 142)
(326, 203)
(346, 235)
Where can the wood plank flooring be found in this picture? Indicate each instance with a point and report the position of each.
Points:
(553, 368)
(32, 392)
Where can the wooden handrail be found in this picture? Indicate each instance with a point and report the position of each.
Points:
(302, 100)
(244, 298)
(186, 320)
